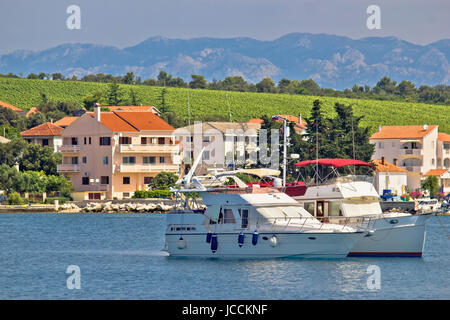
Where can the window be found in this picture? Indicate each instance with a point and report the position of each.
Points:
(206, 139)
(126, 195)
(147, 180)
(143, 140)
(206, 155)
(85, 140)
(105, 141)
(129, 160)
(90, 140)
(105, 160)
(104, 180)
(161, 140)
(334, 207)
(85, 180)
(432, 162)
(149, 160)
(124, 140)
(126, 180)
(84, 160)
(309, 206)
(380, 145)
(244, 216)
(74, 160)
(74, 141)
(44, 142)
(228, 216)
(162, 160)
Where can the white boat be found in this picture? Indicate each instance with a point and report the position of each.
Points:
(428, 204)
(250, 222)
(353, 199)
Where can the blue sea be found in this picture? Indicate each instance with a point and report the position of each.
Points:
(119, 257)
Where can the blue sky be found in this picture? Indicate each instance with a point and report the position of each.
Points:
(36, 25)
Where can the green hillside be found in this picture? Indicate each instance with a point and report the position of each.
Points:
(25, 93)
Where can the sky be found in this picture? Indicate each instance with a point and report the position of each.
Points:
(38, 25)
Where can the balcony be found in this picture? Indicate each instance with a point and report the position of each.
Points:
(148, 168)
(411, 152)
(69, 148)
(68, 168)
(149, 148)
(413, 168)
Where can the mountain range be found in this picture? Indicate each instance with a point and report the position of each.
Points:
(332, 61)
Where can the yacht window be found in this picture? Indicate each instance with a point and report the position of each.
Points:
(244, 216)
(334, 208)
(309, 206)
(228, 216)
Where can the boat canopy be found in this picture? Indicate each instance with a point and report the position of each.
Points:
(337, 163)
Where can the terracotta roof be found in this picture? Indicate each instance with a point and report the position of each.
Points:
(132, 121)
(403, 132)
(256, 120)
(9, 106)
(32, 111)
(66, 121)
(444, 137)
(114, 122)
(436, 172)
(45, 129)
(132, 108)
(144, 120)
(387, 167)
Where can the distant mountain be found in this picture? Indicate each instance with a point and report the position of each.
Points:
(333, 61)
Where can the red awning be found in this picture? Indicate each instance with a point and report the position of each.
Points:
(337, 163)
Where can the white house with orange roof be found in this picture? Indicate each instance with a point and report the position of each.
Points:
(443, 176)
(443, 151)
(390, 177)
(413, 148)
(110, 155)
(47, 135)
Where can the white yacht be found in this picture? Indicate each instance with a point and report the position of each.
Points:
(349, 200)
(250, 222)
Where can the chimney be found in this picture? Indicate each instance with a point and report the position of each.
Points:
(425, 127)
(382, 161)
(299, 119)
(97, 113)
(395, 162)
(51, 120)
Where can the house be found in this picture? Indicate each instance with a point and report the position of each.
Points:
(413, 148)
(47, 135)
(11, 107)
(32, 111)
(443, 176)
(134, 108)
(443, 151)
(390, 177)
(110, 155)
(299, 124)
(65, 122)
(226, 144)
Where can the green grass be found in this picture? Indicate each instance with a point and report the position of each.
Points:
(25, 93)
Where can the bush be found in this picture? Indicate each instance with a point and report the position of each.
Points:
(62, 200)
(143, 194)
(14, 198)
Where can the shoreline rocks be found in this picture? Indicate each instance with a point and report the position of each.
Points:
(110, 207)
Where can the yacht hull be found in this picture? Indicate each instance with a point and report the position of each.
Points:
(288, 244)
(393, 237)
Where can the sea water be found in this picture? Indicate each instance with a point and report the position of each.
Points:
(119, 257)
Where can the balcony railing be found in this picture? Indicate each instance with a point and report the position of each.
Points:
(148, 167)
(149, 148)
(68, 168)
(413, 152)
(413, 168)
(68, 148)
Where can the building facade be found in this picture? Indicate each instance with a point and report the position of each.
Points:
(109, 155)
(47, 135)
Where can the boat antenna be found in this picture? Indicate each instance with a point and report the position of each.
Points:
(317, 151)
(353, 138)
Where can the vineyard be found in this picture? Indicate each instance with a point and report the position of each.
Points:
(25, 93)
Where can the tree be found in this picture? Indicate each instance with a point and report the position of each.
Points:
(89, 101)
(57, 76)
(198, 82)
(163, 180)
(431, 184)
(128, 78)
(266, 85)
(37, 158)
(406, 88)
(164, 78)
(114, 96)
